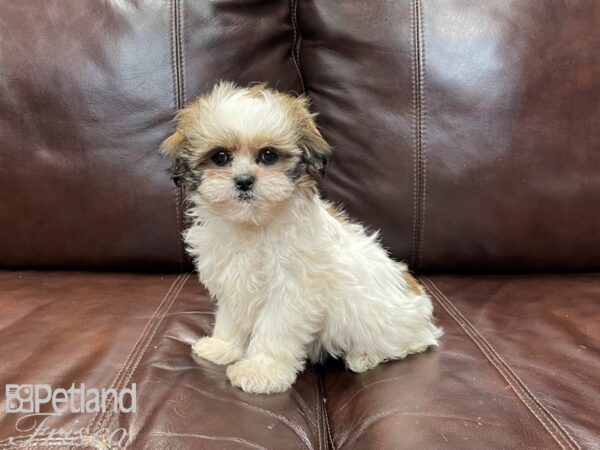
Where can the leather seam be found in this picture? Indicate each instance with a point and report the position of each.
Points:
(414, 84)
(143, 350)
(318, 408)
(98, 417)
(419, 180)
(422, 134)
(181, 60)
(179, 99)
(297, 41)
(47, 440)
(331, 443)
(547, 420)
(140, 347)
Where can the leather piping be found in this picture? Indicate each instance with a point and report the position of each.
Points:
(323, 433)
(121, 380)
(46, 440)
(318, 408)
(321, 391)
(140, 347)
(419, 144)
(548, 421)
(179, 100)
(297, 40)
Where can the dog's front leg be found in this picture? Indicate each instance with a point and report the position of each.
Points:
(228, 341)
(277, 348)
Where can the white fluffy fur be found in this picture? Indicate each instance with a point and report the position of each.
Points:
(294, 280)
(304, 285)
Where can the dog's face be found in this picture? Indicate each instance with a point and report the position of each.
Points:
(241, 153)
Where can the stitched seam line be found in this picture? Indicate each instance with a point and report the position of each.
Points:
(180, 54)
(419, 154)
(28, 439)
(118, 382)
(140, 347)
(179, 99)
(144, 348)
(97, 417)
(422, 134)
(522, 391)
(47, 441)
(318, 409)
(548, 421)
(296, 42)
(326, 414)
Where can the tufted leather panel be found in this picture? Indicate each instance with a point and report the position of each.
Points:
(517, 368)
(541, 333)
(463, 130)
(112, 330)
(468, 131)
(87, 93)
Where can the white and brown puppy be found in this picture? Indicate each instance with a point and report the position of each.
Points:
(293, 277)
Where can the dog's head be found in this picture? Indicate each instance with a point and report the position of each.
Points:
(241, 153)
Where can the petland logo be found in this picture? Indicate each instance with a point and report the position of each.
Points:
(39, 398)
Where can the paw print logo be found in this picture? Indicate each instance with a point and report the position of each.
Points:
(19, 398)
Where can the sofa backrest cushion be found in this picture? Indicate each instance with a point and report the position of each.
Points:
(468, 131)
(87, 93)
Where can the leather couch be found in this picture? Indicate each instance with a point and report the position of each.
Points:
(467, 131)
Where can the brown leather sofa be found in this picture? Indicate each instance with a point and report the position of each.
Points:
(468, 131)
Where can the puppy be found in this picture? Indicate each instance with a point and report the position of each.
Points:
(293, 277)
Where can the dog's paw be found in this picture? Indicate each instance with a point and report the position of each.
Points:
(258, 377)
(217, 350)
(361, 362)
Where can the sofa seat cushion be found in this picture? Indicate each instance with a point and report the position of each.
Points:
(518, 368)
(112, 330)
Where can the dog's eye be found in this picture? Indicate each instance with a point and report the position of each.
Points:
(267, 156)
(221, 156)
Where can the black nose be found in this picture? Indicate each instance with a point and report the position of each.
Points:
(244, 182)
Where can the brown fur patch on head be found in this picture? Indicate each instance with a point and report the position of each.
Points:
(244, 122)
(256, 89)
(316, 152)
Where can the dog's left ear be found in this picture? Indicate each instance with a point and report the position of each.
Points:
(316, 152)
(171, 145)
(171, 149)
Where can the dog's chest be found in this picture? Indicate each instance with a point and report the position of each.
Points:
(232, 267)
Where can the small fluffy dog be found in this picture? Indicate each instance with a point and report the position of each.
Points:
(293, 277)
